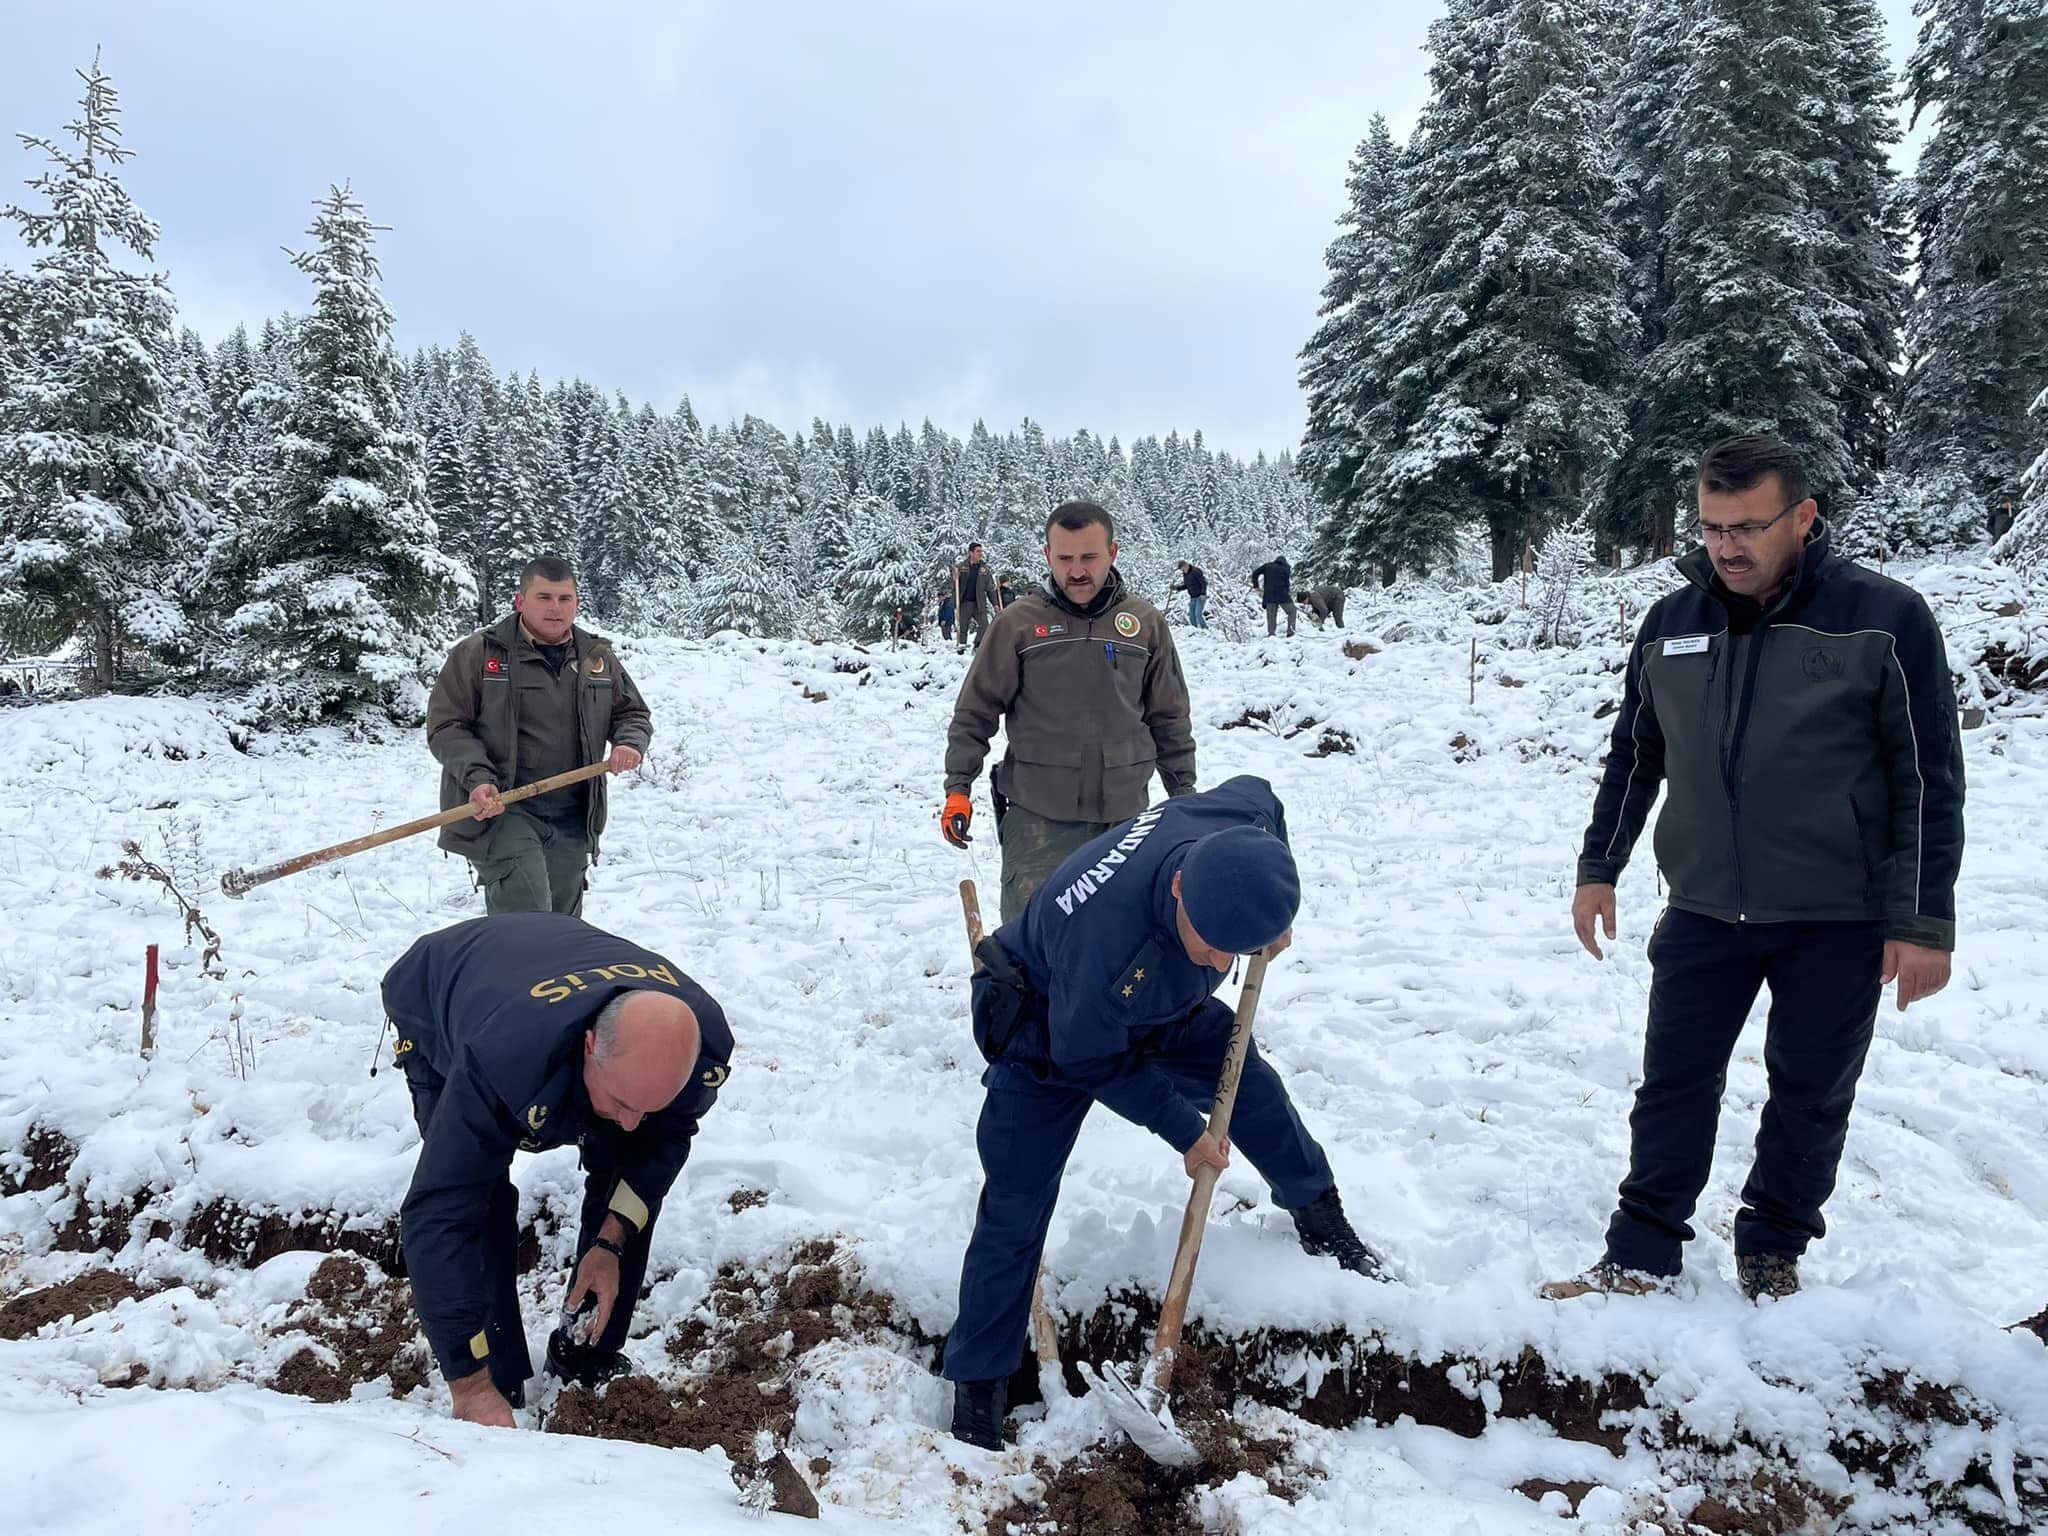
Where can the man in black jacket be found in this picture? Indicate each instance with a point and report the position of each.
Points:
(516, 1034)
(1799, 712)
(1195, 582)
(1274, 582)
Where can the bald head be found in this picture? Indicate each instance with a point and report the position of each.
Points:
(638, 1055)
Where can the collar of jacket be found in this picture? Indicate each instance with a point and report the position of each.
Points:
(1111, 594)
(506, 633)
(1807, 572)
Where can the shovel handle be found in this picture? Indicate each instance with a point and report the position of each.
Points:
(239, 882)
(1173, 1311)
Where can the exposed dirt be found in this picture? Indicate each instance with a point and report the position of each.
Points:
(1537, 1487)
(228, 1233)
(1335, 743)
(745, 1200)
(97, 1290)
(2037, 1325)
(1358, 650)
(735, 1357)
(1363, 1382)
(364, 1330)
(98, 1228)
(43, 1161)
(1251, 719)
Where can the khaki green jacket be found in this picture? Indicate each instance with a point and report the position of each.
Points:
(473, 721)
(1094, 702)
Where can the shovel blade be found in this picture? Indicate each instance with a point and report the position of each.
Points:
(1142, 1414)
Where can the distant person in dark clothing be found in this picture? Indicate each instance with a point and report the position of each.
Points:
(1323, 603)
(1195, 582)
(1274, 582)
(976, 597)
(946, 614)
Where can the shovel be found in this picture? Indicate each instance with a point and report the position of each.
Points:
(1142, 1411)
(1045, 1342)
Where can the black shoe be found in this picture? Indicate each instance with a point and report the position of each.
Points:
(978, 1408)
(579, 1363)
(1324, 1229)
(1766, 1274)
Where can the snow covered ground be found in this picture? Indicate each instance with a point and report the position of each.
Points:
(1468, 1067)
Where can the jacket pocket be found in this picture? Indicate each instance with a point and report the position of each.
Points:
(1047, 777)
(1127, 765)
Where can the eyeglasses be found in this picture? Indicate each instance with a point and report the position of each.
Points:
(1742, 533)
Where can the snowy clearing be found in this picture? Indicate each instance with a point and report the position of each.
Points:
(1468, 1068)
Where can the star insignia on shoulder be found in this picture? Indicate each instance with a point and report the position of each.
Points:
(1139, 975)
(1129, 990)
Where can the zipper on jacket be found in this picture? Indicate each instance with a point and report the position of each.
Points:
(1731, 770)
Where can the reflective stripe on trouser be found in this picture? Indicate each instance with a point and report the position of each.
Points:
(1033, 847)
(1028, 1129)
(1705, 974)
(504, 1330)
(528, 864)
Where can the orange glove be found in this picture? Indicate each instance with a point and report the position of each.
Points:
(955, 819)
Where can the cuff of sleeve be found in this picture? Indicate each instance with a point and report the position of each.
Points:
(1598, 872)
(1184, 1130)
(1927, 932)
(629, 1207)
(472, 777)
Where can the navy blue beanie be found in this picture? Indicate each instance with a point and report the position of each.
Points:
(1240, 889)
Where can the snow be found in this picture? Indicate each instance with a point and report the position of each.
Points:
(1468, 1068)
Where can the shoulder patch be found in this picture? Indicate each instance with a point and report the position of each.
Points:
(1127, 624)
(1138, 975)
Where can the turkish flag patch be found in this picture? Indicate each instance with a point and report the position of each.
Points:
(1041, 631)
(494, 667)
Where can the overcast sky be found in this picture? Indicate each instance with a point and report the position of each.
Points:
(1101, 216)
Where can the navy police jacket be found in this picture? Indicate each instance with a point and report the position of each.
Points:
(491, 1016)
(1099, 947)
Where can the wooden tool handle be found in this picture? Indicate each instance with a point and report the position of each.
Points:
(1173, 1310)
(970, 908)
(237, 882)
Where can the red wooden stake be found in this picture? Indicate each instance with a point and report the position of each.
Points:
(149, 1004)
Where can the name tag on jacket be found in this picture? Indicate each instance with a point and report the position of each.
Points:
(1686, 645)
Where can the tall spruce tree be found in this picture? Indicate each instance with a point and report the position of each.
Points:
(1345, 367)
(1856, 192)
(1977, 342)
(349, 605)
(102, 526)
(1734, 252)
(1512, 347)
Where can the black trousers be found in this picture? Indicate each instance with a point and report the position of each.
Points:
(1705, 974)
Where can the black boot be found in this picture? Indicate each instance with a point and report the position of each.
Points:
(582, 1365)
(978, 1408)
(1324, 1229)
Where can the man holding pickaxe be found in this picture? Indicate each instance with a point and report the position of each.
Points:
(1102, 992)
(517, 1034)
(531, 697)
